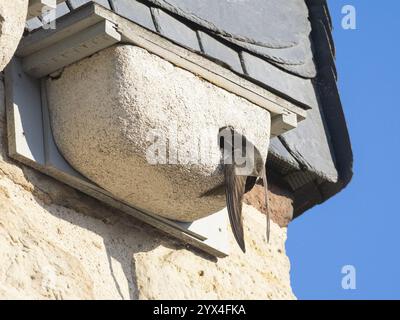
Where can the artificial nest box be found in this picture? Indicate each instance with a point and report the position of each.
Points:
(106, 96)
(110, 112)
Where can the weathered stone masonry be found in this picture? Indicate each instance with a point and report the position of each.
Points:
(57, 243)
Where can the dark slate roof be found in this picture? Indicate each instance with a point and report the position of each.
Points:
(285, 46)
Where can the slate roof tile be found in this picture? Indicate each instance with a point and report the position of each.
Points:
(280, 159)
(134, 11)
(296, 88)
(219, 51)
(175, 30)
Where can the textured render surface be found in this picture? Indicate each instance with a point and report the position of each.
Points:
(12, 23)
(106, 111)
(56, 243)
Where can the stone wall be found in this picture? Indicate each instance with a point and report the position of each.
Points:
(12, 22)
(57, 243)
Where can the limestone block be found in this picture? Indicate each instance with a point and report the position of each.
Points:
(12, 23)
(109, 113)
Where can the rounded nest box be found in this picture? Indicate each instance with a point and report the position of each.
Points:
(147, 131)
(12, 23)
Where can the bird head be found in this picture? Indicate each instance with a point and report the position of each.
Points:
(237, 149)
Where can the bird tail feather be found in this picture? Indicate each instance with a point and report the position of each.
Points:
(265, 182)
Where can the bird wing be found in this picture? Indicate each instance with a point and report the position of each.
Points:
(234, 190)
(265, 182)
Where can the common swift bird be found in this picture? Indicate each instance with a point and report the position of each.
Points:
(243, 165)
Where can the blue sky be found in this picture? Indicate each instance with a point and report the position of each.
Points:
(360, 226)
